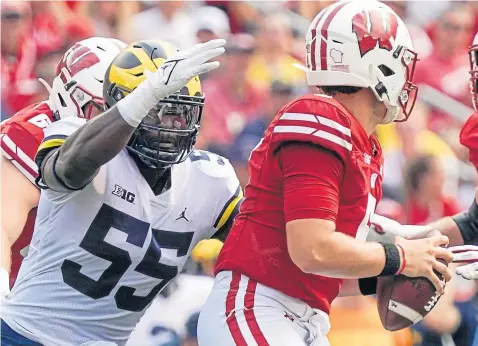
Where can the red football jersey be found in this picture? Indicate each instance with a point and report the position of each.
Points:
(469, 138)
(257, 245)
(20, 137)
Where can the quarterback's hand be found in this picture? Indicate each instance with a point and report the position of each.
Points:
(178, 70)
(383, 229)
(422, 258)
(468, 256)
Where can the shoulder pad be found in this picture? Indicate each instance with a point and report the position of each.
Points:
(316, 119)
(22, 134)
(469, 138)
(210, 164)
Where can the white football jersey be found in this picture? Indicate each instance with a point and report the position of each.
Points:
(99, 256)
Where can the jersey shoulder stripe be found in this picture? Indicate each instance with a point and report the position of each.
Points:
(47, 145)
(52, 141)
(314, 119)
(315, 125)
(228, 209)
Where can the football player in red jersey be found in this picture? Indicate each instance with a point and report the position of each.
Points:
(315, 179)
(77, 90)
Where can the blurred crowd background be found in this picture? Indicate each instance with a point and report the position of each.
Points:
(427, 175)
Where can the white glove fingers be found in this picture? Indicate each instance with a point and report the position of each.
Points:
(213, 44)
(469, 271)
(206, 56)
(462, 248)
(203, 68)
(469, 256)
(201, 47)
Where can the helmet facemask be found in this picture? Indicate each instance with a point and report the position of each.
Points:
(397, 102)
(167, 135)
(473, 55)
(89, 104)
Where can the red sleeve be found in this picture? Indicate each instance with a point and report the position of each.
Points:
(22, 134)
(312, 177)
(469, 138)
(19, 146)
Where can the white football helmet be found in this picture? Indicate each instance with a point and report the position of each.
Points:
(473, 53)
(363, 43)
(78, 85)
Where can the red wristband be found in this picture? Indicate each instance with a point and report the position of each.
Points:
(404, 263)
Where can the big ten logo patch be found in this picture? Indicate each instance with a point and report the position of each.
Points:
(124, 194)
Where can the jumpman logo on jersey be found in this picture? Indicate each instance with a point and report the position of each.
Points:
(183, 215)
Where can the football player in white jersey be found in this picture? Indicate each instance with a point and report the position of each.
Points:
(126, 198)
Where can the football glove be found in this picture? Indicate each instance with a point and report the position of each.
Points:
(468, 256)
(178, 70)
(383, 229)
(169, 78)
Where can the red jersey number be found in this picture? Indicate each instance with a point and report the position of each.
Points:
(40, 120)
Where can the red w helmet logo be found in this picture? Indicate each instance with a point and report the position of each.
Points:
(76, 59)
(383, 27)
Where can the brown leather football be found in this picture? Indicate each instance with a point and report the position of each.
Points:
(403, 301)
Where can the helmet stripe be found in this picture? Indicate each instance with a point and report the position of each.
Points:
(314, 38)
(144, 59)
(325, 34)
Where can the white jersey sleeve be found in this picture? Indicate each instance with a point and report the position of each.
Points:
(55, 136)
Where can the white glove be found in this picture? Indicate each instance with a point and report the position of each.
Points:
(4, 283)
(467, 255)
(170, 77)
(383, 229)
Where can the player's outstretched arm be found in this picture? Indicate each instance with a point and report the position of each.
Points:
(461, 228)
(98, 141)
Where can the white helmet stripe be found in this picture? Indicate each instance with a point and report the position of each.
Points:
(314, 39)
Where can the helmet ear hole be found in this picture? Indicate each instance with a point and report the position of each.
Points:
(63, 103)
(386, 70)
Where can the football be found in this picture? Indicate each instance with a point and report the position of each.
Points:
(403, 301)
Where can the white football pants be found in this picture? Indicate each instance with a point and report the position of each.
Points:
(242, 312)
